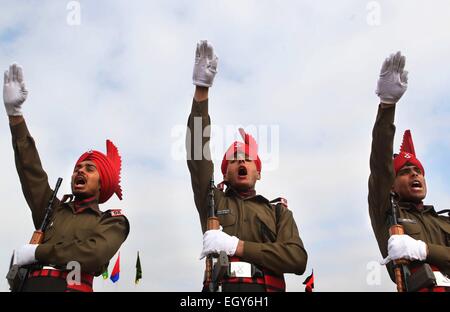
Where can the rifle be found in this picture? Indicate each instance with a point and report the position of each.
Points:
(401, 271)
(214, 272)
(17, 275)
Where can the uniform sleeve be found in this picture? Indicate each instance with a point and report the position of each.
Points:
(285, 255)
(382, 175)
(93, 251)
(32, 176)
(199, 157)
(440, 256)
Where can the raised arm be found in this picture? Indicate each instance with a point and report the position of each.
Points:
(32, 176)
(197, 137)
(392, 84)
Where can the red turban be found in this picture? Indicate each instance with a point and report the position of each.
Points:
(249, 148)
(109, 167)
(407, 154)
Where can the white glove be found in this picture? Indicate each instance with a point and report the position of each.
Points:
(405, 247)
(205, 67)
(393, 79)
(215, 241)
(25, 254)
(14, 91)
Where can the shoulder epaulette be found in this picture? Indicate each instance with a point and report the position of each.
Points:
(221, 186)
(447, 211)
(114, 212)
(67, 198)
(280, 204)
(280, 200)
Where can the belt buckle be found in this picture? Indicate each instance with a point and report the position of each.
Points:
(441, 279)
(240, 269)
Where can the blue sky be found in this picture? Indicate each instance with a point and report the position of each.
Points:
(308, 67)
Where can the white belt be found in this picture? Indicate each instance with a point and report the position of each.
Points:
(240, 269)
(441, 279)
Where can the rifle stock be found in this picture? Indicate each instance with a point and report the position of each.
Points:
(212, 224)
(214, 272)
(37, 238)
(18, 274)
(401, 270)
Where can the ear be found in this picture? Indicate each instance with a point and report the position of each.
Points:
(258, 177)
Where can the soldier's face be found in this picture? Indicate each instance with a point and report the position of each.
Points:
(86, 180)
(241, 173)
(410, 184)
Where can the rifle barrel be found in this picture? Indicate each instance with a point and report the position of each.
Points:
(48, 211)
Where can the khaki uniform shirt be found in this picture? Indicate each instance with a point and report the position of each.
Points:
(85, 234)
(269, 243)
(425, 224)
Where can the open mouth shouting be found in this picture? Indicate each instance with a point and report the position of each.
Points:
(416, 185)
(242, 172)
(79, 181)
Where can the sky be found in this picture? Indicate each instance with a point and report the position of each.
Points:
(299, 75)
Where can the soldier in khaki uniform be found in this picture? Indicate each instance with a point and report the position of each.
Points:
(427, 233)
(78, 230)
(255, 231)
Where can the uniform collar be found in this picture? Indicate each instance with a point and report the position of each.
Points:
(232, 192)
(243, 195)
(417, 207)
(79, 206)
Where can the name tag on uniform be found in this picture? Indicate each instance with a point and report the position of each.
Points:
(401, 220)
(223, 212)
(441, 279)
(240, 269)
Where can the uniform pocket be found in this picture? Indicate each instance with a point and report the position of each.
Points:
(445, 227)
(83, 234)
(49, 232)
(413, 229)
(226, 217)
(267, 229)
